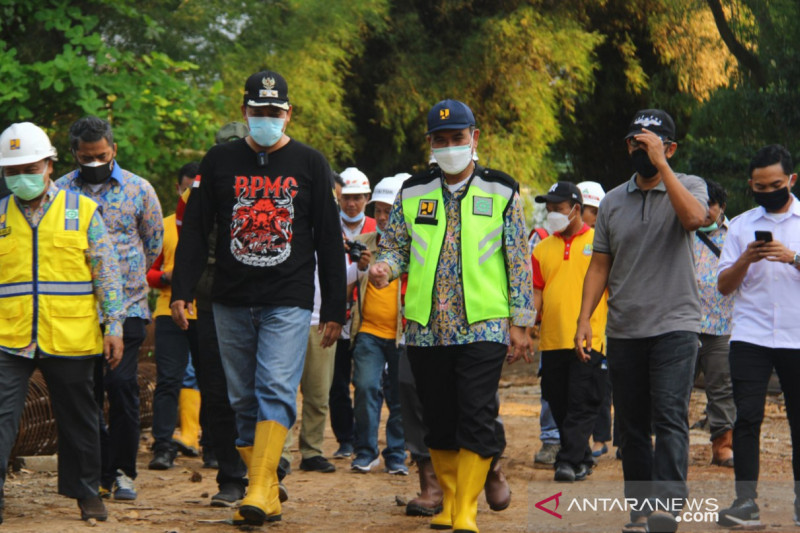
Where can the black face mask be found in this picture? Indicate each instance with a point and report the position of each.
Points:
(95, 175)
(772, 201)
(642, 164)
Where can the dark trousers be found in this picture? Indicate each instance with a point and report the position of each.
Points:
(119, 440)
(340, 404)
(70, 383)
(602, 424)
(652, 379)
(414, 429)
(457, 386)
(751, 368)
(575, 392)
(173, 346)
(219, 414)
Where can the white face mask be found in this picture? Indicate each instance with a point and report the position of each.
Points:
(453, 159)
(556, 222)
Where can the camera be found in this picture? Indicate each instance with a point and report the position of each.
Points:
(355, 249)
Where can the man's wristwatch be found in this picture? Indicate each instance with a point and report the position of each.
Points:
(796, 260)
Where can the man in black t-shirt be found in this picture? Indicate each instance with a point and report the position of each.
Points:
(271, 199)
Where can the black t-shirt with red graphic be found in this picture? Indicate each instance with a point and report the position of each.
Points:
(270, 221)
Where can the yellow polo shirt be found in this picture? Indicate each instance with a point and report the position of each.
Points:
(379, 311)
(559, 268)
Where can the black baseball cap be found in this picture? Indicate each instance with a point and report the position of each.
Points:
(450, 115)
(656, 120)
(563, 191)
(266, 88)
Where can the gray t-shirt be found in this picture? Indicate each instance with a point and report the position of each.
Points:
(652, 288)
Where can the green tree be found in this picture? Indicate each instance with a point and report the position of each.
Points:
(57, 65)
(760, 106)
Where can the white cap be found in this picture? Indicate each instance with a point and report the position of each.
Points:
(24, 143)
(592, 193)
(355, 181)
(386, 190)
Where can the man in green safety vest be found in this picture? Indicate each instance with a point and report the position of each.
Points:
(459, 232)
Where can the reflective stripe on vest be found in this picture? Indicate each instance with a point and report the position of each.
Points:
(46, 290)
(483, 270)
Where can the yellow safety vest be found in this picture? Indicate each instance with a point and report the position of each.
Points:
(46, 293)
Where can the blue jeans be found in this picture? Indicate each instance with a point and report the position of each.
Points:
(370, 354)
(263, 350)
(652, 380)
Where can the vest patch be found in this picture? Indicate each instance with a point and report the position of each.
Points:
(587, 249)
(71, 214)
(426, 213)
(4, 232)
(482, 205)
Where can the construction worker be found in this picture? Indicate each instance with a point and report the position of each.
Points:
(56, 263)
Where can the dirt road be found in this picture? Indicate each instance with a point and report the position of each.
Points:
(344, 501)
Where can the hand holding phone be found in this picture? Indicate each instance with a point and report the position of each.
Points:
(765, 236)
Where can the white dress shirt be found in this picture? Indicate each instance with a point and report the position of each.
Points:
(766, 309)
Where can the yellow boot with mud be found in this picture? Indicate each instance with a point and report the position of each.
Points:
(262, 502)
(246, 453)
(472, 470)
(445, 464)
(189, 414)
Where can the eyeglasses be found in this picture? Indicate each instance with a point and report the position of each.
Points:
(636, 144)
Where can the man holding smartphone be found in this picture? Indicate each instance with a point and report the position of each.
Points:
(760, 264)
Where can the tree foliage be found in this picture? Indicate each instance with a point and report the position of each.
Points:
(553, 83)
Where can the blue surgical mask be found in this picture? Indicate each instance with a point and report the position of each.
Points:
(266, 131)
(26, 186)
(358, 218)
(710, 228)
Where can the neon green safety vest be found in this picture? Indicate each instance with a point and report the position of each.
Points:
(483, 267)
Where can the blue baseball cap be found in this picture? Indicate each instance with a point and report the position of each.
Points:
(450, 115)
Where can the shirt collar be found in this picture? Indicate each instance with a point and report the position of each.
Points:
(581, 231)
(633, 186)
(52, 191)
(794, 209)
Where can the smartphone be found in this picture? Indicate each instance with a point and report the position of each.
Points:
(765, 236)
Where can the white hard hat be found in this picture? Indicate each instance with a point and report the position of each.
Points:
(355, 181)
(386, 190)
(592, 193)
(24, 143)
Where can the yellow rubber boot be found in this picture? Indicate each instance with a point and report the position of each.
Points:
(246, 453)
(262, 502)
(472, 471)
(445, 464)
(189, 415)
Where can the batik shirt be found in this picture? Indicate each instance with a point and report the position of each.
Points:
(717, 310)
(132, 215)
